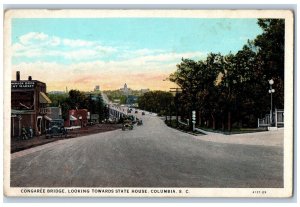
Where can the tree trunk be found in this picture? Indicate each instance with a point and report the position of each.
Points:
(229, 121)
(197, 117)
(200, 119)
(214, 121)
(223, 124)
(190, 121)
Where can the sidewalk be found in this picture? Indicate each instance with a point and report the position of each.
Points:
(19, 145)
(266, 138)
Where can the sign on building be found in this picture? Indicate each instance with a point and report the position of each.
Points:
(22, 85)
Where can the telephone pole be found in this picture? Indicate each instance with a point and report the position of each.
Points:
(176, 91)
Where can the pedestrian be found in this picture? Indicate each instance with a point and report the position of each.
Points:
(31, 132)
(24, 136)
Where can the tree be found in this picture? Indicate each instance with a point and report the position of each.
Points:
(198, 83)
(100, 107)
(79, 100)
(270, 46)
(57, 99)
(187, 78)
(76, 99)
(156, 101)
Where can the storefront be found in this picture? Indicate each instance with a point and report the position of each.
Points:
(77, 117)
(28, 106)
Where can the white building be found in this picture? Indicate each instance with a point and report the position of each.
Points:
(97, 88)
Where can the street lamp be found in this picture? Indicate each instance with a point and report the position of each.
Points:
(271, 91)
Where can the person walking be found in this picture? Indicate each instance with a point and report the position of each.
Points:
(31, 132)
(24, 136)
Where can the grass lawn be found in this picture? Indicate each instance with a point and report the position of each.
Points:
(235, 130)
(185, 128)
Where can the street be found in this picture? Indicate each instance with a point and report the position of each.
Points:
(153, 155)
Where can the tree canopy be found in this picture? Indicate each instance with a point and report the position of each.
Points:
(156, 101)
(232, 89)
(76, 99)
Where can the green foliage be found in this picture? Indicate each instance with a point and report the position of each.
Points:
(270, 46)
(233, 89)
(122, 97)
(57, 99)
(156, 101)
(114, 94)
(79, 100)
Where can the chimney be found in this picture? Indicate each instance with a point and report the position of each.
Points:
(18, 76)
(30, 78)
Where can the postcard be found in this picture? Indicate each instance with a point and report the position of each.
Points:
(148, 103)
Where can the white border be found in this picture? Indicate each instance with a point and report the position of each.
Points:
(194, 192)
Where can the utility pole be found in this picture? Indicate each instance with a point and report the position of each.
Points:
(90, 106)
(176, 91)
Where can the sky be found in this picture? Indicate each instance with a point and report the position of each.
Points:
(81, 53)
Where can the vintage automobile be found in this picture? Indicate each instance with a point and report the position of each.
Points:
(127, 125)
(131, 118)
(56, 128)
(140, 122)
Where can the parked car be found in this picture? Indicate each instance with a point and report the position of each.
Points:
(56, 128)
(132, 118)
(140, 122)
(136, 112)
(127, 125)
(143, 113)
(91, 123)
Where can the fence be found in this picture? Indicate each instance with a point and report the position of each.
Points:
(277, 119)
(186, 124)
(196, 129)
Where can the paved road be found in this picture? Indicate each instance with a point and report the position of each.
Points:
(152, 155)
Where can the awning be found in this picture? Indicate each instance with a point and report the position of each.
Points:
(47, 118)
(21, 112)
(13, 111)
(44, 98)
(73, 118)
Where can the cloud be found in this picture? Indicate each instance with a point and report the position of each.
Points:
(89, 63)
(140, 72)
(77, 43)
(40, 45)
(33, 47)
(167, 57)
(128, 53)
(33, 37)
(55, 41)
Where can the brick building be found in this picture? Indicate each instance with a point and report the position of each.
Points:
(77, 117)
(29, 103)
